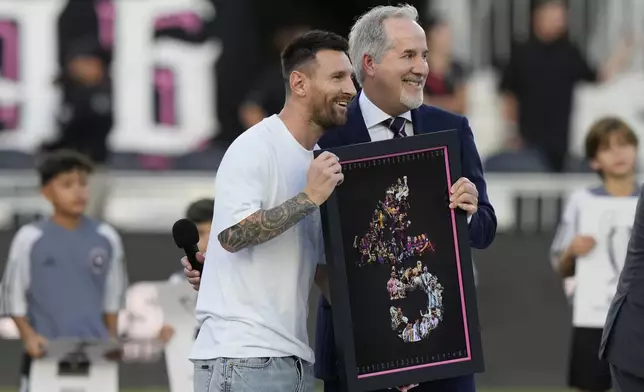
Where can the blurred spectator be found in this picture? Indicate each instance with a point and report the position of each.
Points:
(85, 117)
(267, 96)
(446, 85)
(539, 82)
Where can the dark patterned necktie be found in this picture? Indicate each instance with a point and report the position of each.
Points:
(397, 126)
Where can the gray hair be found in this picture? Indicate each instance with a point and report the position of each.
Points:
(368, 36)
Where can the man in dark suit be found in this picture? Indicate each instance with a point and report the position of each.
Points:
(388, 50)
(623, 339)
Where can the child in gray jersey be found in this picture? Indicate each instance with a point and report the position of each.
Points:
(65, 275)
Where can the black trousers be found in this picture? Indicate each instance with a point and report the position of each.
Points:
(25, 368)
(25, 365)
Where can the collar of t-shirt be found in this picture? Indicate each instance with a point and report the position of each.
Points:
(601, 191)
(374, 117)
(277, 124)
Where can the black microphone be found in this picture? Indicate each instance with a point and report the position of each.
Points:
(186, 237)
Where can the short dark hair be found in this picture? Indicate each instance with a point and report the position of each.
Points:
(200, 211)
(600, 132)
(60, 162)
(542, 3)
(304, 48)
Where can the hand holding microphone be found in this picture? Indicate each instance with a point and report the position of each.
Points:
(194, 276)
(186, 237)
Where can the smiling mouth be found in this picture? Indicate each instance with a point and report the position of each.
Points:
(342, 103)
(413, 83)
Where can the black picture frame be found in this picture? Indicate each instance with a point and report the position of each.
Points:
(431, 367)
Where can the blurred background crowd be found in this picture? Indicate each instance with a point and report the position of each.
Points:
(154, 91)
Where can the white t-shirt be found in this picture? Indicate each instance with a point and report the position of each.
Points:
(254, 303)
(566, 232)
(568, 228)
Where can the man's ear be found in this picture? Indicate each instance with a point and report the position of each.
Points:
(368, 65)
(298, 82)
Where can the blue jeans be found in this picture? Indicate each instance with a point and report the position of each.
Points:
(253, 375)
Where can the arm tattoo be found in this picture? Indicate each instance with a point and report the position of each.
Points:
(265, 225)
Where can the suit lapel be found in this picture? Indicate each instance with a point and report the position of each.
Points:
(417, 122)
(357, 131)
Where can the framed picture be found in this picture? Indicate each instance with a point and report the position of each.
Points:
(401, 274)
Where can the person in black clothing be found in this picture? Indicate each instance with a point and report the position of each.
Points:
(85, 117)
(539, 82)
(446, 84)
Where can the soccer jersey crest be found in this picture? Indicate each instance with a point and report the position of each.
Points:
(98, 260)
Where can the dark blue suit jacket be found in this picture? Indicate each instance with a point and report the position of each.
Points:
(425, 119)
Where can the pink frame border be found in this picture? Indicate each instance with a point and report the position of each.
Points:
(458, 266)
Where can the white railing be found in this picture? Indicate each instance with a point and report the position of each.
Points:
(139, 201)
(152, 202)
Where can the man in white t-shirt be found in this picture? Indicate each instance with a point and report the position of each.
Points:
(265, 248)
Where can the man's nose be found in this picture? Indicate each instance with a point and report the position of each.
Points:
(420, 67)
(349, 88)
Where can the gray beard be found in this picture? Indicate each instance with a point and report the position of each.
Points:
(411, 102)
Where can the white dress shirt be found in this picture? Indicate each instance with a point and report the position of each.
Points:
(373, 118)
